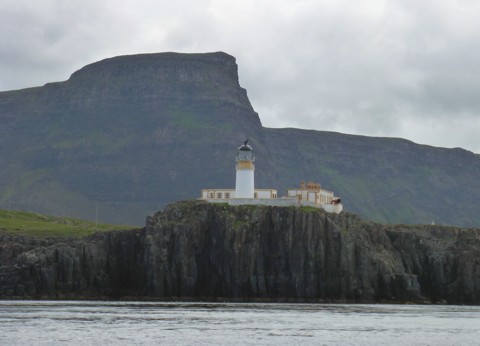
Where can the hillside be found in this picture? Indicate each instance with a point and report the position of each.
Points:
(18, 223)
(133, 133)
(201, 251)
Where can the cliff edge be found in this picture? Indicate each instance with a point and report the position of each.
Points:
(197, 250)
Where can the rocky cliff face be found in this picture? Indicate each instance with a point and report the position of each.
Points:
(195, 250)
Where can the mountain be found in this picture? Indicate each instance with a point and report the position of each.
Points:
(124, 136)
(202, 251)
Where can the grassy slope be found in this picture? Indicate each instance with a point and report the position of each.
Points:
(31, 224)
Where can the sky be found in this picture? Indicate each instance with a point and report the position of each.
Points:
(408, 69)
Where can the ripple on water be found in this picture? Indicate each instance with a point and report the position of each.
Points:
(47, 323)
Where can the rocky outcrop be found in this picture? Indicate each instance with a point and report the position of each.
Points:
(107, 264)
(195, 250)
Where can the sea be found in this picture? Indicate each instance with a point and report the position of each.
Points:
(180, 323)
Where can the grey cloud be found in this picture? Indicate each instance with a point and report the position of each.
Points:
(389, 68)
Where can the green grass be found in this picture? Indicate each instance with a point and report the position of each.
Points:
(308, 209)
(37, 225)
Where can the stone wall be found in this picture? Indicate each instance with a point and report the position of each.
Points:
(275, 202)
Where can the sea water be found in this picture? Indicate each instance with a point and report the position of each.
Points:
(151, 323)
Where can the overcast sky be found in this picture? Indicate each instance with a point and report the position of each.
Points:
(408, 68)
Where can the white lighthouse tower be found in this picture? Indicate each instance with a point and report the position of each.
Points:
(244, 186)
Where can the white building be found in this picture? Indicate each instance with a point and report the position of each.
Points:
(309, 194)
(313, 193)
(230, 193)
(244, 183)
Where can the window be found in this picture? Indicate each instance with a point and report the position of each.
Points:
(211, 195)
(255, 195)
(219, 195)
(227, 194)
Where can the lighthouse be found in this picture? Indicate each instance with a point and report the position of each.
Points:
(309, 194)
(244, 186)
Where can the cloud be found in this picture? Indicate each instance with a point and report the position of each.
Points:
(376, 67)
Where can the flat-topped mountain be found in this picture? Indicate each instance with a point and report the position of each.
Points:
(125, 136)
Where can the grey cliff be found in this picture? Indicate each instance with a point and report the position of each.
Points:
(201, 251)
